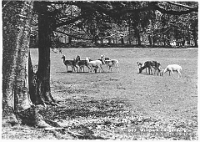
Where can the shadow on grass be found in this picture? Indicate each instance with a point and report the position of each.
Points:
(76, 109)
(90, 119)
(82, 108)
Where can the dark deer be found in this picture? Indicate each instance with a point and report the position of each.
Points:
(71, 63)
(81, 63)
(149, 65)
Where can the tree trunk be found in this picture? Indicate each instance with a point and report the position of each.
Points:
(122, 40)
(32, 80)
(96, 37)
(129, 31)
(45, 24)
(9, 61)
(16, 41)
(70, 40)
(16, 35)
(195, 39)
(150, 40)
(15, 44)
(138, 36)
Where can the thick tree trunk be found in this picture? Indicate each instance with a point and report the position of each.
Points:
(21, 89)
(15, 72)
(9, 61)
(16, 98)
(44, 43)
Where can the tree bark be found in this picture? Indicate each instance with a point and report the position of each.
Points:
(9, 60)
(16, 35)
(138, 36)
(129, 31)
(45, 28)
(150, 40)
(195, 38)
(122, 40)
(16, 97)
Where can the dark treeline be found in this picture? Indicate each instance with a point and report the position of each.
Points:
(130, 23)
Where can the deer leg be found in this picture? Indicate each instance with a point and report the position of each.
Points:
(170, 72)
(155, 71)
(101, 68)
(88, 68)
(179, 73)
(67, 68)
(83, 69)
(73, 68)
(149, 70)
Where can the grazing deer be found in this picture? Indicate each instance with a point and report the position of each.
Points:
(149, 65)
(173, 68)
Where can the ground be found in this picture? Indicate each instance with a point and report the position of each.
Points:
(122, 104)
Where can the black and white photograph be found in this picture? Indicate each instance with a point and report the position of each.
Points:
(99, 70)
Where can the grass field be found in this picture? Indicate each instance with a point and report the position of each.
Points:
(126, 100)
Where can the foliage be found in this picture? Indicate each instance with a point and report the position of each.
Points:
(85, 20)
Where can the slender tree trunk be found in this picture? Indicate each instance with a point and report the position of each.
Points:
(195, 39)
(122, 40)
(150, 40)
(32, 80)
(45, 24)
(109, 40)
(70, 40)
(138, 36)
(129, 30)
(96, 39)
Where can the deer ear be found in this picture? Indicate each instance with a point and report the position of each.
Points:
(138, 63)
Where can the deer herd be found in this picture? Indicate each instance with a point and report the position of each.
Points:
(77, 64)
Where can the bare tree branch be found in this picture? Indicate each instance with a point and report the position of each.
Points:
(182, 5)
(73, 35)
(70, 21)
(93, 7)
(172, 12)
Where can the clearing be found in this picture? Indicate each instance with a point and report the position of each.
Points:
(123, 105)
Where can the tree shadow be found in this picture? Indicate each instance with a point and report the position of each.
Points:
(76, 109)
(81, 108)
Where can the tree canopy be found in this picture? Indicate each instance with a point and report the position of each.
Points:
(86, 19)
